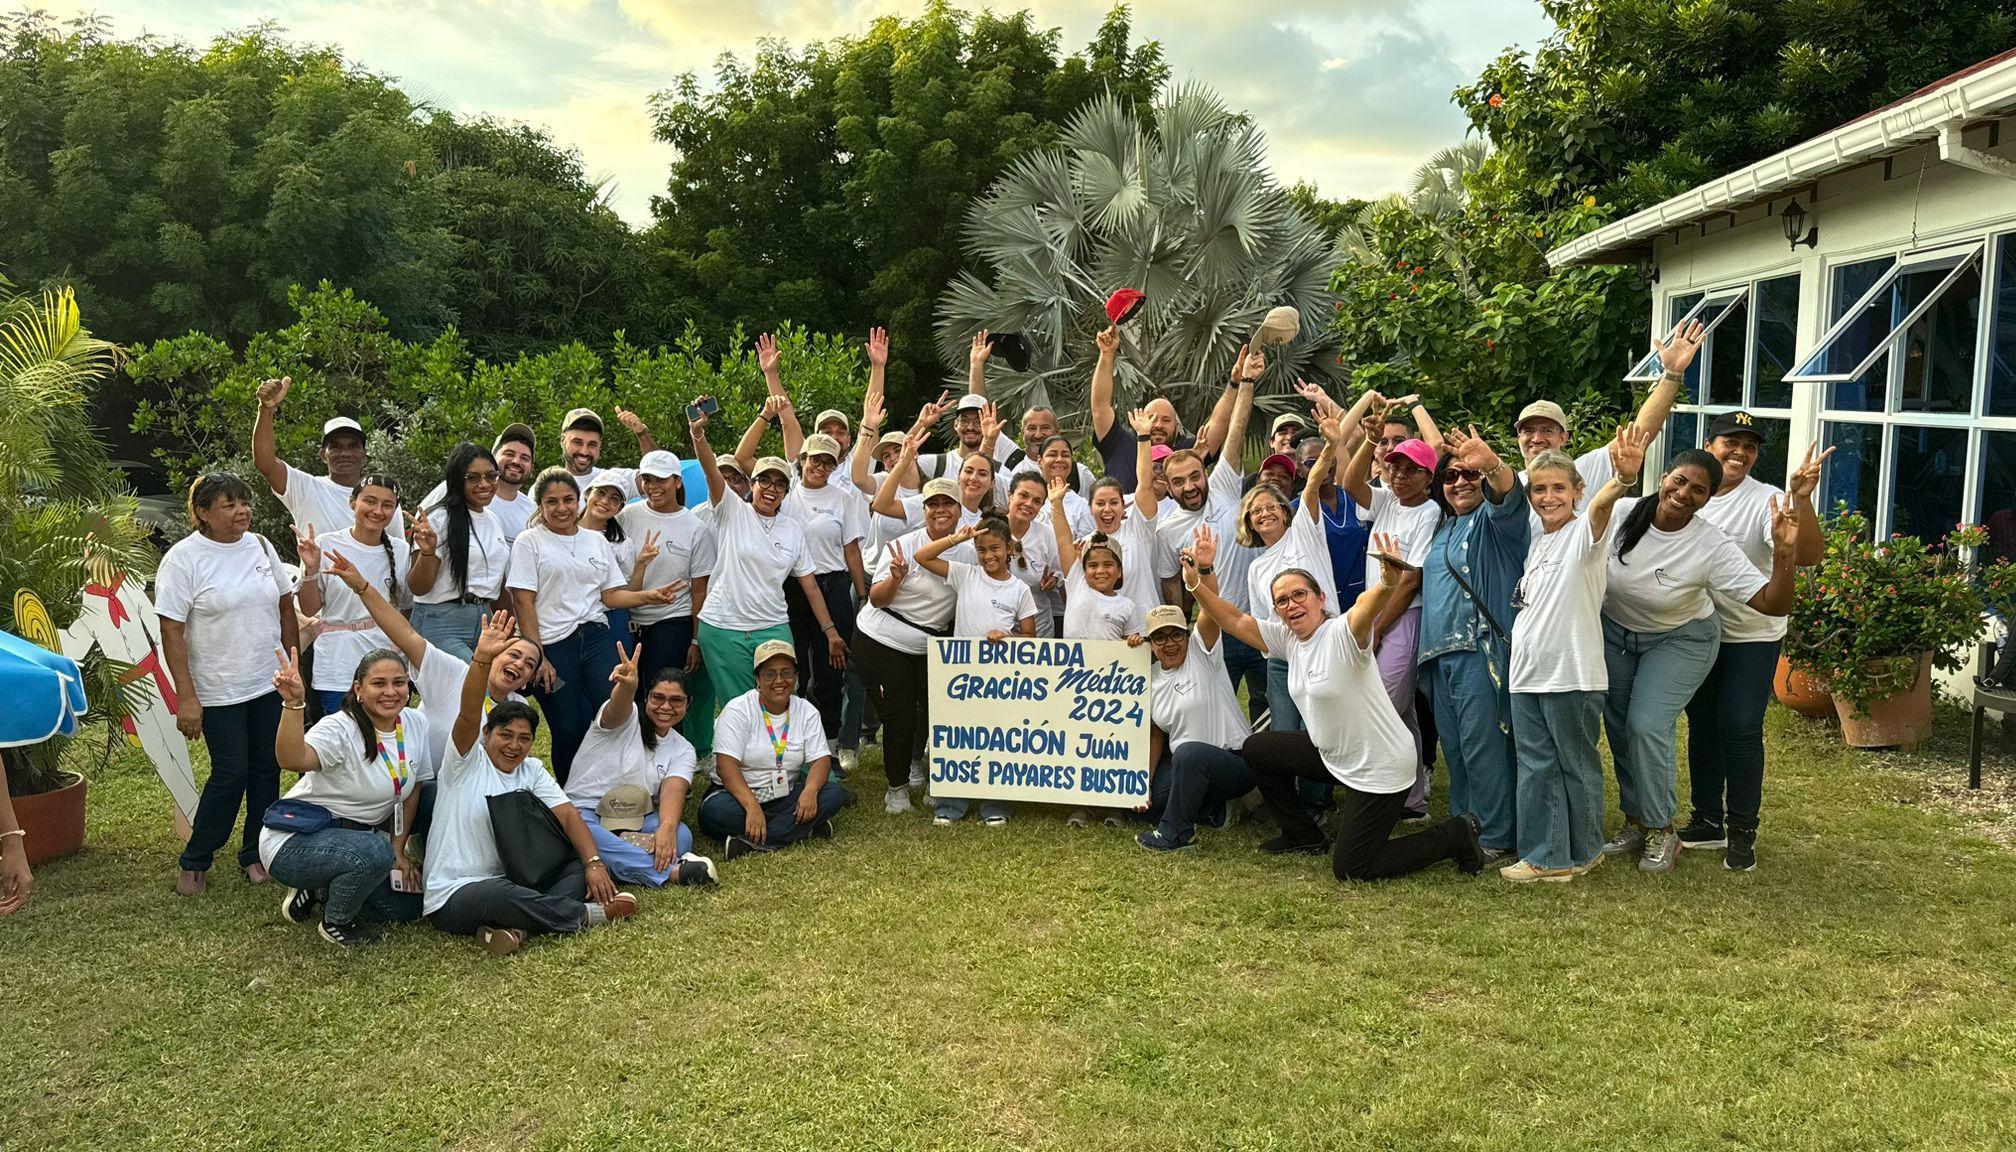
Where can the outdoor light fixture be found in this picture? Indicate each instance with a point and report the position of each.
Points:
(1794, 218)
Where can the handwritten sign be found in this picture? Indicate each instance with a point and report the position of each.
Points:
(1051, 721)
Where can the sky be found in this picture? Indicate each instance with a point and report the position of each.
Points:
(1353, 94)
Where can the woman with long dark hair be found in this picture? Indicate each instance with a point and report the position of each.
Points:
(449, 599)
(1660, 634)
(225, 604)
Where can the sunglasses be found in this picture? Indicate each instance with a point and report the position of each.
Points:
(1451, 475)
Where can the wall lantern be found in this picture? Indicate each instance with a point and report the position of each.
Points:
(1794, 219)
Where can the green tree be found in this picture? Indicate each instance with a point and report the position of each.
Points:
(826, 185)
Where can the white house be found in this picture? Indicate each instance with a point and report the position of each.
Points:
(1885, 327)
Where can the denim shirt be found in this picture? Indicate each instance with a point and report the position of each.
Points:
(1488, 547)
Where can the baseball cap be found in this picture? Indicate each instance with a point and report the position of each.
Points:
(1287, 420)
(771, 464)
(1733, 424)
(1159, 452)
(832, 414)
(520, 432)
(581, 417)
(1013, 347)
(1542, 410)
(1281, 325)
(1123, 304)
(890, 440)
(1416, 451)
(1165, 616)
(659, 465)
(341, 424)
(769, 650)
(623, 808)
(1283, 461)
(725, 461)
(941, 486)
(820, 444)
(970, 402)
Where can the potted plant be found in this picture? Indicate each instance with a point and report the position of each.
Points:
(1876, 616)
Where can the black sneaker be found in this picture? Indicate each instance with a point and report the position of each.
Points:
(737, 846)
(1741, 853)
(1702, 832)
(347, 935)
(692, 870)
(1218, 816)
(1153, 841)
(1284, 845)
(1470, 855)
(300, 905)
(823, 829)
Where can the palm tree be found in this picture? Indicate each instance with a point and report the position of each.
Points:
(1186, 212)
(1437, 197)
(66, 516)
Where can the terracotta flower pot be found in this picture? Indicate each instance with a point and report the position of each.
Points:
(54, 821)
(1797, 691)
(1899, 720)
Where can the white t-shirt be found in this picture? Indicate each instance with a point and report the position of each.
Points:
(1178, 526)
(1335, 683)
(349, 785)
(613, 756)
(1596, 470)
(1090, 615)
(1557, 638)
(1144, 561)
(984, 604)
(1194, 701)
(1039, 550)
(439, 678)
(567, 575)
(227, 597)
(1744, 515)
(833, 517)
(739, 731)
(512, 514)
(1077, 514)
(753, 557)
(461, 844)
(1664, 582)
(1302, 546)
(347, 631)
(685, 552)
(922, 599)
(489, 558)
(1413, 528)
(324, 503)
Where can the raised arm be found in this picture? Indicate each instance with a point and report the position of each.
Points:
(1144, 463)
(745, 450)
(1202, 554)
(1205, 571)
(1215, 434)
(1321, 467)
(1627, 459)
(1357, 479)
(310, 555)
(1364, 614)
(1812, 542)
(623, 693)
(1775, 598)
(786, 417)
(490, 643)
(1353, 420)
(1472, 451)
(1060, 525)
(425, 566)
(290, 749)
(1424, 424)
(931, 556)
(635, 423)
(1102, 383)
(1676, 352)
(697, 429)
(860, 461)
(397, 629)
(1238, 416)
(885, 502)
(264, 457)
(885, 589)
(976, 363)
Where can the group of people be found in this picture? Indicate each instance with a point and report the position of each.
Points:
(1381, 589)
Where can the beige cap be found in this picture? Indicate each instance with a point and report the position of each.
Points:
(769, 650)
(771, 464)
(623, 808)
(1542, 410)
(520, 431)
(832, 414)
(1285, 419)
(890, 440)
(1281, 325)
(820, 444)
(941, 486)
(581, 416)
(727, 461)
(1165, 616)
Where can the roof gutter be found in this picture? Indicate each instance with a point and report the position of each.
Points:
(1953, 150)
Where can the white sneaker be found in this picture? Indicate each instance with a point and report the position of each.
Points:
(896, 801)
(849, 758)
(917, 777)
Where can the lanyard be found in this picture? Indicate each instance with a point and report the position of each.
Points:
(397, 772)
(779, 740)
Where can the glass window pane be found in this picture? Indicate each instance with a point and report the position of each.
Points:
(1777, 341)
(1931, 474)
(1647, 367)
(1847, 283)
(1727, 352)
(1939, 351)
(2002, 342)
(1998, 495)
(1683, 431)
(1855, 470)
(1770, 466)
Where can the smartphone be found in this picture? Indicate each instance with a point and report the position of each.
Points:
(707, 406)
(398, 880)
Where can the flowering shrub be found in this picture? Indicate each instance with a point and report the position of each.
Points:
(1871, 607)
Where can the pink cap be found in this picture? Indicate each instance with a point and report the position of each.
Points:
(1416, 451)
(1159, 451)
(1282, 461)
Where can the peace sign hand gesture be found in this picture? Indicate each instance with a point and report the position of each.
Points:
(287, 681)
(649, 551)
(345, 571)
(625, 672)
(309, 551)
(1784, 525)
(899, 565)
(420, 534)
(1806, 478)
(667, 593)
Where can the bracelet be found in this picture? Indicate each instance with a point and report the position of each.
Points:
(301, 707)
(427, 555)
(832, 627)
(21, 832)
(1626, 481)
(594, 861)
(1206, 569)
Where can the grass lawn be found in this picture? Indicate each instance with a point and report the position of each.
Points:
(907, 987)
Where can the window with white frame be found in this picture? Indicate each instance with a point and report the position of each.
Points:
(1918, 396)
(1752, 333)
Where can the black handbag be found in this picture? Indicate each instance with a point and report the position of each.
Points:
(530, 841)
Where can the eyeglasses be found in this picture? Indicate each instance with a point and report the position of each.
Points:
(1451, 475)
(668, 701)
(1168, 638)
(772, 480)
(1287, 598)
(773, 675)
(480, 477)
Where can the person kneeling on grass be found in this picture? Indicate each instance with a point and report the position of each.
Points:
(1196, 718)
(360, 768)
(1355, 736)
(631, 778)
(468, 893)
(771, 760)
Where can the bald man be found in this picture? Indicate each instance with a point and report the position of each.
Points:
(1116, 441)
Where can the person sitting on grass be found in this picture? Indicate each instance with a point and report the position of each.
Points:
(360, 765)
(771, 760)
(631, 778)
(1195, 721)
(467, 891)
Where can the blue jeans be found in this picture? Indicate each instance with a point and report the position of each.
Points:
(1725, 733)
(1652, 677)
(1476, 738)
(1248, 665)
(352, 869)
(1286, 717)
(450, 627)
(619, 626)
(583, 660)
(721, 814)
(1203, 778)
(243, 770)
(628, 863)
(332, 703)
(1560, 796)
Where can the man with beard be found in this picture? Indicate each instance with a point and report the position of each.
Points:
(581, 449)
(1116, 441)
(513, 451)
